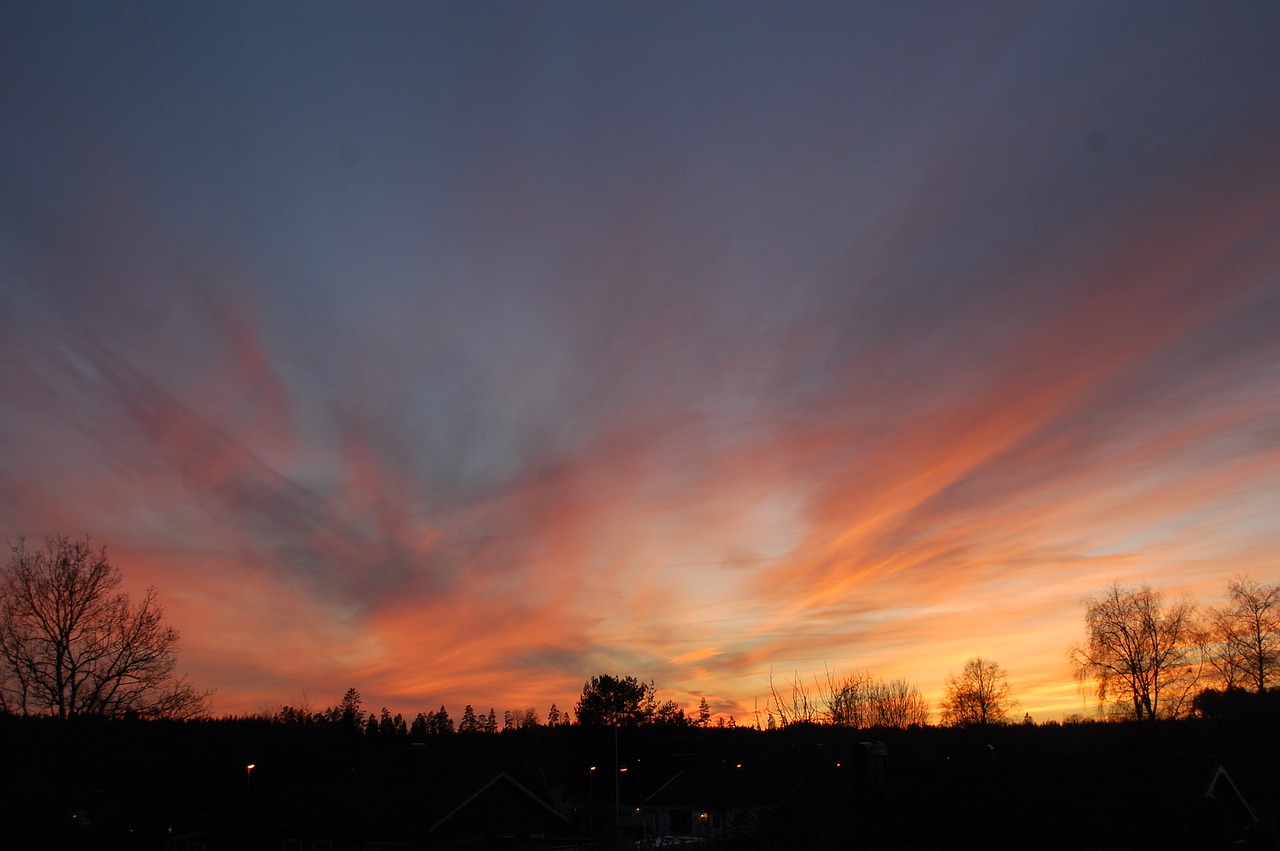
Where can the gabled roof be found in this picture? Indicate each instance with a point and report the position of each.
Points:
(501, 777)
(1222, 788)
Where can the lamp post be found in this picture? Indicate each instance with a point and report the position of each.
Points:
(591, 802)
(617, 798)
(248, 776)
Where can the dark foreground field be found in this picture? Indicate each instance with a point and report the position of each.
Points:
(1196, 784)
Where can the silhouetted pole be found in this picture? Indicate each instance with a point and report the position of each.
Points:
(617, 784)
(621, 771)
(591, 801)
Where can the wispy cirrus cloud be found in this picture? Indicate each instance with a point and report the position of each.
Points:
(692, 352)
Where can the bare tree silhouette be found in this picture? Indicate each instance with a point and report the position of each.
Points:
(980, 695)
(1143, 656)
(72, 643)
(1245, 634)
(800, 707)
(860, 700)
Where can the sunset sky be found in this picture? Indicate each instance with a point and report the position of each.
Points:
(459, 352)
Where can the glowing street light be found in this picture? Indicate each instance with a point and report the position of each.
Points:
(248, 776)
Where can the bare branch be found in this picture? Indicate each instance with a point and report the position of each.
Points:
(1143, 657)
(980, 695)
(71, 643)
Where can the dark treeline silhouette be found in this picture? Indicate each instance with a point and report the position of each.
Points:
(97, 758)
(102, 783)
(72, 644)
(606, 701)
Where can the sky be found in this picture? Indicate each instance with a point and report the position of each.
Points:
(459, 352)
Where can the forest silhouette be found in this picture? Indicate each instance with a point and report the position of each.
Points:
(1201, 782)
(109, 747)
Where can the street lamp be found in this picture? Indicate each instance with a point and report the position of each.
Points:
(591, 801)
(248, 775)
(617, 784)
(617, 797)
